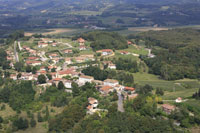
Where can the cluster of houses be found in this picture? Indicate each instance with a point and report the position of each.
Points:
(45, 42)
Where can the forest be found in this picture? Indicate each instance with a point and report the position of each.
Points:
(105, 40)
(177, 53)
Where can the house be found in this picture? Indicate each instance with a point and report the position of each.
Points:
(54, 74)
(111, 82)
(56, 80)
(179, 100)
(56, 60)
(42, 72)
(98, 82)
(67, 72)
(105, 52)
(124, 52)
(83, 79)
(13, 76)
(67, 83)
(81, 41)
(27, 76)
(92, 105)
(129, 42)
(111, 66)
(79, 59)
(42, 44)
(51, 56)
(54, 44)
(68, 61)
(33, 58)
(33, 63)
(167, 108)
(105, 89)
(88, 57)
(68, 51)
(82, 47)
(129, 89)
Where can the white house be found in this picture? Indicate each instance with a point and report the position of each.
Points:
(111, 82)
(179, 100)
(42, 45)
(83, 79)
(105, 52)
(68, 61)
(111, 66)
(67, 83)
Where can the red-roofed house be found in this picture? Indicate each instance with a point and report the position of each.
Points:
(92, 105)
(81, 41)
(105, 52)
(33, 63)
(167, 108)
(106, 89)
(42, 45)
(68, 51)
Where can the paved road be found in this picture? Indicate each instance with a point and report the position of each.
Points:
(15, 52)
(120, 103)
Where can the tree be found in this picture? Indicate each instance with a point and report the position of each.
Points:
(41, 79)
(46, 113)
(33, 122)
(49, 76)
(61, 85)
(28, 69)
(39, 117)
(20, 123)
(159, 92)
(19, 75)
(75, 89)
(34, 70)
(53, 70)
(19, 66)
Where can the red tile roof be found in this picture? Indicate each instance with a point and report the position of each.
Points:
(129, 88)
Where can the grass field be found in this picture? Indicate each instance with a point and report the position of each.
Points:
(184, 93)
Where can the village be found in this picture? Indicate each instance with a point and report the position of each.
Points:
(65, 65)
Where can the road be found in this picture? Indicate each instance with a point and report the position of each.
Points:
(19, 45)
(120, 102)
(15, 52)
(69, 45)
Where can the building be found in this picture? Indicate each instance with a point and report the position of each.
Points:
(68, 51)
(82, 47)
(83, 79)
(124, 52)
(33, 58)
(33, 63)
(92, 105)
(81, 41)
(68, 61)
(105, 89)
(42, 44)
(111, 66)
(66, 72)
(167, 108)
(179, 100)
(111, 82)
(105, 52)
(67, 83)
